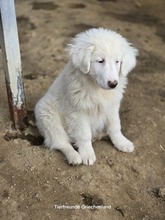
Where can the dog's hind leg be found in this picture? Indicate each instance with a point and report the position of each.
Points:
(55, 137)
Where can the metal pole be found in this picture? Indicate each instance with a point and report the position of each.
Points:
(12, 63)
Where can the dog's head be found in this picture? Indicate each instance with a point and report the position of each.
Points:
(104, 54)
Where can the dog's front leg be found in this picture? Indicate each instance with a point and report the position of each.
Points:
(86, 151)
(114, 131)
(81, 135)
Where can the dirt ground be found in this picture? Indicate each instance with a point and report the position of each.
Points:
(36, 182)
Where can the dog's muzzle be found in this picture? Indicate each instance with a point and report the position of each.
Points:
(113, 84)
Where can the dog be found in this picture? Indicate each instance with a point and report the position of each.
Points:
(83, 102)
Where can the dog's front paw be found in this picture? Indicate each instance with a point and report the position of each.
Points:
(124, 145)
(88, 155)
(74, 158)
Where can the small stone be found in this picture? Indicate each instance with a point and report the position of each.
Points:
(86, 177)
(63, 173)
(138, 4)
(161, 192)
(46, 187)
(110, 163)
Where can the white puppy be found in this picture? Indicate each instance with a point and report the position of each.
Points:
(83, 103)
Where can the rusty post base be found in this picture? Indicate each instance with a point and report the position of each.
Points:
(17, 114)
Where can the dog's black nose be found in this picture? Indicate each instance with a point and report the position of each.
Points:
(113, 84)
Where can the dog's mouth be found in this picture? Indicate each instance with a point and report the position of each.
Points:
(106, 87)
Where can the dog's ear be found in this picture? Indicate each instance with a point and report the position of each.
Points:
(80, 54)
(129, 59)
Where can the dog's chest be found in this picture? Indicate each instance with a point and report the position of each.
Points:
(100, 104)
(98, 120)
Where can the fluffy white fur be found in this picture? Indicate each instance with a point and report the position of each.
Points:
(82, 104)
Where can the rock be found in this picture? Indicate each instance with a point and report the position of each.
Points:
(161, 193)
(86, 177)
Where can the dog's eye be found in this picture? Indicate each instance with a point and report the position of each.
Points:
(117, 61)
(101, 61)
